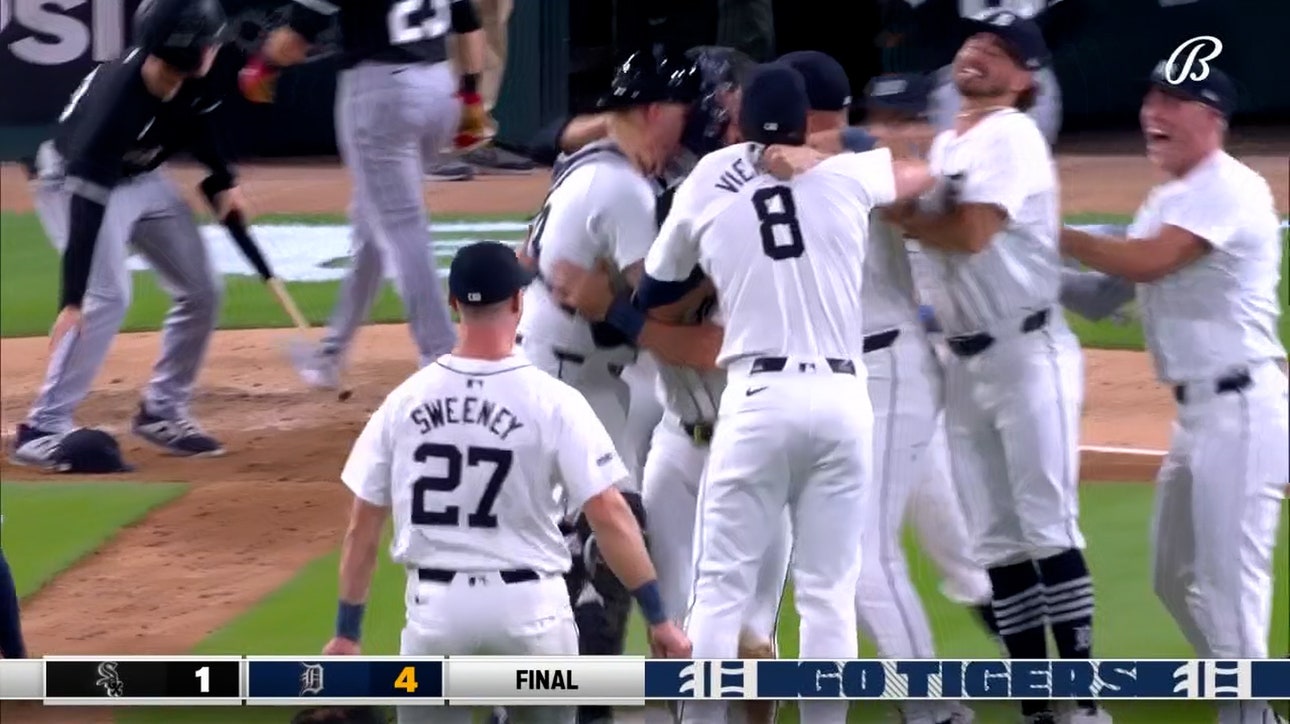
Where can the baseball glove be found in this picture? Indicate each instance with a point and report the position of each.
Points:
(477, 128)
(340, 715)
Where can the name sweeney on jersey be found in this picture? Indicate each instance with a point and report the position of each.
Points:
(468, 410)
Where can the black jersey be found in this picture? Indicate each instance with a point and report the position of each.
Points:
(113, 128)
(385, 31)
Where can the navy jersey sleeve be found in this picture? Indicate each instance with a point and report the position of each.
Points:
(94, 148)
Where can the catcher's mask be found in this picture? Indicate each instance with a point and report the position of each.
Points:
(721, 71)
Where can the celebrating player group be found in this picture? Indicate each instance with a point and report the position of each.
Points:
(710, 367)
(743, 341)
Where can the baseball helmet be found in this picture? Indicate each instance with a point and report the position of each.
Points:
(89, 451)
(721, 70)
(652, 76)
(179, 31)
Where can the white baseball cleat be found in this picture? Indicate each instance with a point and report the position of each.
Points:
(316, 367)
(35, 448)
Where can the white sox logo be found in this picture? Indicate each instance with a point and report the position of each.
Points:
(1193, 48)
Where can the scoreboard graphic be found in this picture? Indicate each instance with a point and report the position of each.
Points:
(615, 680)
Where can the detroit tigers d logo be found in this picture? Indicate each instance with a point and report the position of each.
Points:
(1176, 73)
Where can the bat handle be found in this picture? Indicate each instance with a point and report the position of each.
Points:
(289, 304)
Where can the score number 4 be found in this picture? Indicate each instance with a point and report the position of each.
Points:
(407, 680)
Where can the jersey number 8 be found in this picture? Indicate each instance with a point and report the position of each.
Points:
(451, 455)
(782, 219)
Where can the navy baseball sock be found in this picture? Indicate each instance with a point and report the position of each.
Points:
(11, 644)
(1068, 593)
(1019, 613)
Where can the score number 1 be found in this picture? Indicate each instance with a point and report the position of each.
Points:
(204, 679)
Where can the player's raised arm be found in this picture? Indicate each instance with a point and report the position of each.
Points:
(367, 475)
(592, 471)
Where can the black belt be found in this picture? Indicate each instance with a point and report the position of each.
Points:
(700, 433)
(1234, 382)
(971, 345)
(777, 364)
(880, 340)
(440, 575)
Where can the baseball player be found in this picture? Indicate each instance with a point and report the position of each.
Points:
(1014, 382)
(794, 423)
(1205, 252)
(97, 192)
(1044, 108)
(468, 453)
(398, 103)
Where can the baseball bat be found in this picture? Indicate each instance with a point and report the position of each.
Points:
(236, 226)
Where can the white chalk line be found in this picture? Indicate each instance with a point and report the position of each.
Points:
(1116, 450)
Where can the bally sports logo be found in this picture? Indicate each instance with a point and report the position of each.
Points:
(1176, 72)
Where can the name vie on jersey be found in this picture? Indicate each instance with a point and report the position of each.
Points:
(770, 245)
(469, 454)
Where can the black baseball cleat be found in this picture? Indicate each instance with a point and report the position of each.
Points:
(178, 436)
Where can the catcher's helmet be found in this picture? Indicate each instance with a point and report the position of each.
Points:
(721, 70)
(178, 31)
(652, 76)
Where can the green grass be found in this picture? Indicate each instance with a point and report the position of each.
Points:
(29, 279)
(29, 273)
(49, 526)
(297, 618)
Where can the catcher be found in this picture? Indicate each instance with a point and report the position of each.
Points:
(397, 103)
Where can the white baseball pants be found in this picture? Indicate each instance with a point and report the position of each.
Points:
(1012, 417)
(478, 614)
(1219, 496)
(673, 476)
(801, 437)
(937, 519)
(904, 387)
(644, 410)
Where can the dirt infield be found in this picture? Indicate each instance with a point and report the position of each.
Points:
(273, 503)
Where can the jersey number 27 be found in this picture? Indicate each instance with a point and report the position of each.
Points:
(423, 487)
(781, 235)
(411, 21)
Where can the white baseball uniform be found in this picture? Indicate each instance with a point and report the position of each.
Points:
(469, 453)
(1014, 383)
(905, 390)
(599, 208)
(1211, 328)
(794, 426)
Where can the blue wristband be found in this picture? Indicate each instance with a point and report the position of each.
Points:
(928, 317)
(625, 317)
(349, 620)
(857, 140)
(650, 600)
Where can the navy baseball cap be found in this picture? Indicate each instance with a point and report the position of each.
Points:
(903, 92)
(486, 272)
(1215, 89)
(774, 105)
(827, 86)
(1021, 35)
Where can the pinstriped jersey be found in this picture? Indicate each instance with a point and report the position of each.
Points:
(1003, 161)
(1220, 312)
(888, 293)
